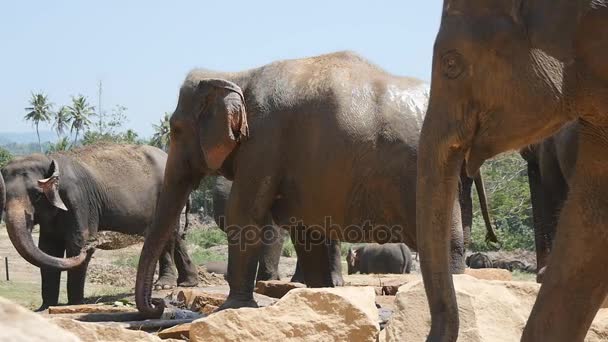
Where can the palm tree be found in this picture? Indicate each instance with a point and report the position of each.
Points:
(80, 111)
(161, 137)
(62, 120)
(38, 111)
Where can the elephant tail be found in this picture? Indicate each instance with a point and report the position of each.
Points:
(483, 204)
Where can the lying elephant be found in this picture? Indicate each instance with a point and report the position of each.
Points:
(74, 194)
(479, 260)
(268, 268)
(326, 145)
(380, 259)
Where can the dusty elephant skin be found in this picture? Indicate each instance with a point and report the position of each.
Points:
(550, 167)
(507, 74)
(72, 195)
(380, 259)
(272, 244)
(326, 144)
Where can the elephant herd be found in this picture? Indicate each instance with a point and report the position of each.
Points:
(332, 148)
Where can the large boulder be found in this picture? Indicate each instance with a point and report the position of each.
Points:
(489, 273)
(328, 314)
(489, 311)
(19, 324)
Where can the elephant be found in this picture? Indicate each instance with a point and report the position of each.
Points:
(327, 145)
(479, 260)
(507, 74)
(380, 259)
(268, 268)
(550, 167)
(73, 195)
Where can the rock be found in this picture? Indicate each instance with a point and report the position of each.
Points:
(379, 280)
(89, 308)
(196, 300)
(181, 331)
(489, 311)
(93, 332)
(276, 288)
(209, 309)
(489, 274)
(327, 314)
(19, 324)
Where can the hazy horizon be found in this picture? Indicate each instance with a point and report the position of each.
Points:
(141, 51)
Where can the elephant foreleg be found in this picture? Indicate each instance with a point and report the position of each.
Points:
(335, 263)
(167, 278)
(186, 269)
(573, 287)
(76, 278)
(50, 278)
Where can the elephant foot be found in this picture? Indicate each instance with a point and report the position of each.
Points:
(43, 307)
(165, 283)
(187, 282)
(337, 280)
(232, 303)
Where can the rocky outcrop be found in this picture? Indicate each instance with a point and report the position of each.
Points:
(489, 274)
(276, 288)
(489, 311)
(329, 314)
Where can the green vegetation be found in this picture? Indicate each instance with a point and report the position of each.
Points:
(206, 238)
(508, 193)
(127, 261)
(201, 256)
(5, 157)
(38, 111)
(162, 137)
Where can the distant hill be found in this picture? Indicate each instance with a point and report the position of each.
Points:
(26, 137)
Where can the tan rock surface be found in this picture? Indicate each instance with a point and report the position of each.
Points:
(489, 311)
(93, 332)
(328, 314)
(489, 274)
(18, 324)
(276, 288)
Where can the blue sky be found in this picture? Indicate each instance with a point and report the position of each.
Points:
(141, 50)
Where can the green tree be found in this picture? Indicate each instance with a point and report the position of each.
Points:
(62, 121)
(63, 144)
(162, 133)
(5, 157)
(506, 181)
(38, 111)
(80, 112)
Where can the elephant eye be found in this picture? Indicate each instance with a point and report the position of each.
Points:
(452, 64)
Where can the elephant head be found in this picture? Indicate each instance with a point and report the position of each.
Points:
(209, 122)
(352, 260)
(33, 193)
(492, 90)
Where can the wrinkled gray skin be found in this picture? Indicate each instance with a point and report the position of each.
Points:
(507, 74)
(550, 167)
(73, 195)
(2, 196)
(380, 259)
(273, 239)
(479, 260)
(327, 145)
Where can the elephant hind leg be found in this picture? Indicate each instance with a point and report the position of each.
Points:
(186, 269)
(167, 277)
(51, 279)
(76, 278)
(313, 257)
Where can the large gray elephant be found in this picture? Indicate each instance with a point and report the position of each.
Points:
(73, 195)
(327, 145)
(380, 259)
(273, 238)
(507, 74)
(550, 167)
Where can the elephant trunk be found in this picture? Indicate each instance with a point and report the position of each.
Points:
(19, 224)
(483, 204)
(440, 159)
(174, 194)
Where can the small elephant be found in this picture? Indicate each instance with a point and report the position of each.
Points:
(73, 195)
(380, 259)
(479, 260)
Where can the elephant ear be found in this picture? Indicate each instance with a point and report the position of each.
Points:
(50, 186)
(223, 120)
